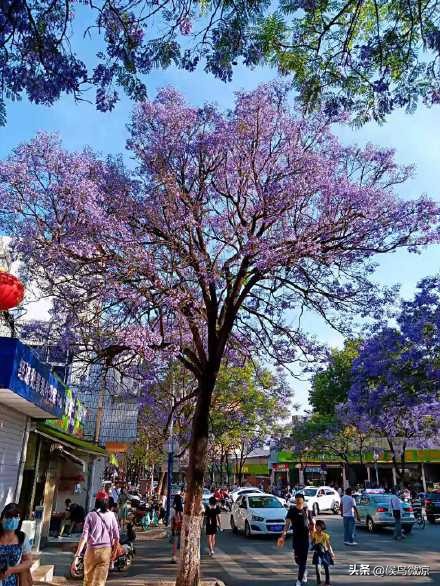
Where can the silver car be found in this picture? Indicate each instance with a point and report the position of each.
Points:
(375, 511)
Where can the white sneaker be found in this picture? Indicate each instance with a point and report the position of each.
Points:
(298, 583)
(354, 543)
(305, 578)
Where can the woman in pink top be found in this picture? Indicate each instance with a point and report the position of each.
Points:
(100, 535)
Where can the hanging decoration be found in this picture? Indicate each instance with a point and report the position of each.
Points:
(11, 291)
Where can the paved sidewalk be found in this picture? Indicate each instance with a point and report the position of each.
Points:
(152, 564)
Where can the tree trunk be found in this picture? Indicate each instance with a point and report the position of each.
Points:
(402, 464)
(399, 470)
(228, 472)
(221, 467)
(161, 484)
(188, 573)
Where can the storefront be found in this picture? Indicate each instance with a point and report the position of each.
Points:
(58, 466)
(43, 458)
(422, 469)
(28, 392)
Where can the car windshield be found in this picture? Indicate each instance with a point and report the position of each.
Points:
(309, 491)
(264, 502)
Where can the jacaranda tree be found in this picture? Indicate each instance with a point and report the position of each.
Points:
(368, 57)
(396, 378)
(232, 225)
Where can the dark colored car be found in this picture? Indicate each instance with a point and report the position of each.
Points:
(432, 505)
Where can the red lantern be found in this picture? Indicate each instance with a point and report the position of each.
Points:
(11, 291)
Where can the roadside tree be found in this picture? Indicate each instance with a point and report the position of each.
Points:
(396, 377)
(330, 384)
(364, 57)
(233, 225)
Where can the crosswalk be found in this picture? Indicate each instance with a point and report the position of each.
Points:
(245, 563)
(250, 566)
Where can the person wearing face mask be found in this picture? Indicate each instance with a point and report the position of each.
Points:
(15, 549)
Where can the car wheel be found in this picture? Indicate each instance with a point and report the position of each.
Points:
(335, 508)
(233, 526)
(407, 529)
(247, 530)
(316, 509)
(431, 519)
(371, 526)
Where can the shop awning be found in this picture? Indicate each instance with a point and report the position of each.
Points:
(61, 451)
(69, 441)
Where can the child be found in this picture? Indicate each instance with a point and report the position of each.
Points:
(323, 554)
(212, 515)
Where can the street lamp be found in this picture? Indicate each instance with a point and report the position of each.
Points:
(170, 445)
(376, 458)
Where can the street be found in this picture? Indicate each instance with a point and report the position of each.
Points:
(239, 561)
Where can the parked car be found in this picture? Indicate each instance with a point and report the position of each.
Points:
(432, 505)
(258, 513)
(235, 494)
(322, 498)
(375, 512)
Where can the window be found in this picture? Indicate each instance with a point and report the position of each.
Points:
(321, 493)
(309, 491)
(264, 502)
(329, 491)
(364, 500)
(243, 504)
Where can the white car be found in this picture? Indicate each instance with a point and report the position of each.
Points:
(235, 494)
(207, 494)
(258, 513)
(321, 498)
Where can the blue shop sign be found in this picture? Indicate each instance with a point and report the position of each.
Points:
(27, 384)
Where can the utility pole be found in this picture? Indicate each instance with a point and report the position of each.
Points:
(100, 407)
(170, 449)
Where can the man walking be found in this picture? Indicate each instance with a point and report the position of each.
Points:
(302, 522)
(396, 507)
(348, 512)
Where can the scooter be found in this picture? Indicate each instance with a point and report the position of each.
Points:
(121, 563)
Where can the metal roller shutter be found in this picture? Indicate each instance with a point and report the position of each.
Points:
(12, 430)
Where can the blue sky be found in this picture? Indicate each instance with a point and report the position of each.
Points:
(415, 137)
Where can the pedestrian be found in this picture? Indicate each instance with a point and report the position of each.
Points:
(15, 549)
(348, 513)
(323, 554)
(123, 512)
(396, 507)
(302, 522)
(178, 500)
(176, 529)
(114, 492)
(213, 524)
(100, 537)
(66, 520)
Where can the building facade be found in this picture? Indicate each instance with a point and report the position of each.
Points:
(43, 458)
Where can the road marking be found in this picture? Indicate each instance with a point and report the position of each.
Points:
(228, 563)
(252, 565)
